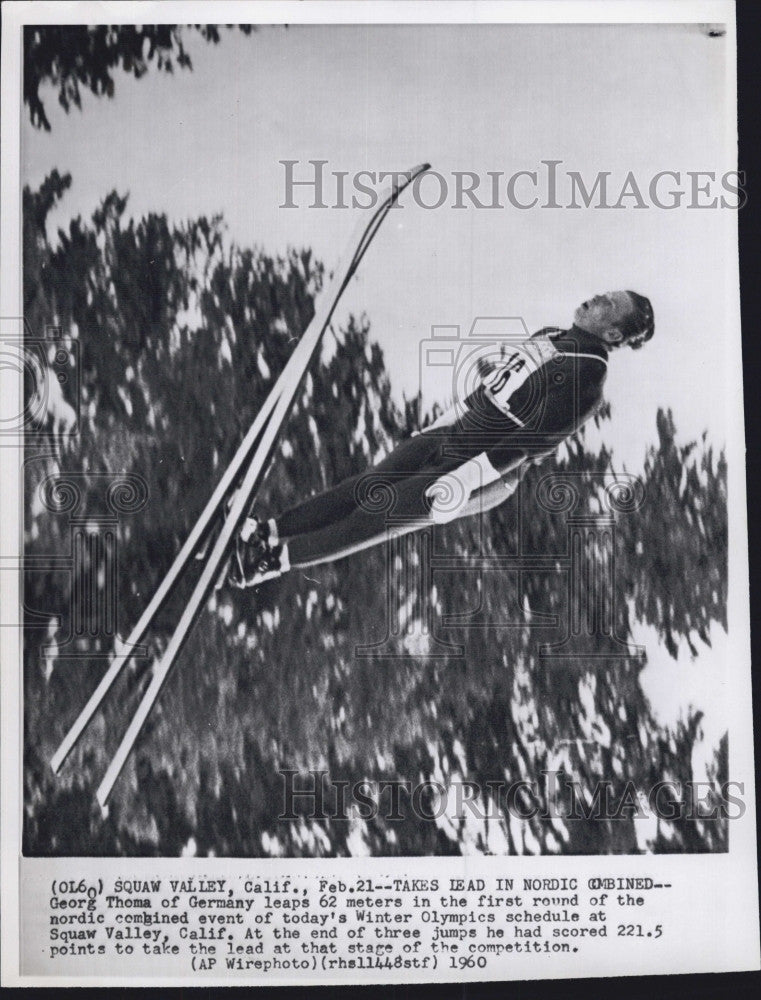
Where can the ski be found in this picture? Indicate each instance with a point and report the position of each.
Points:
(253, 455)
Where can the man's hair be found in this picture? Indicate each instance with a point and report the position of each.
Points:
(639, 326)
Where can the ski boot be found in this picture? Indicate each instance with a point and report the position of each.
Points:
(258, 556)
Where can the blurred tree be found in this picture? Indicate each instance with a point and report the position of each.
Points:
(181, 336)
(70, 56)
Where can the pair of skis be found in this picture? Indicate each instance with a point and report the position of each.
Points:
(237, 488)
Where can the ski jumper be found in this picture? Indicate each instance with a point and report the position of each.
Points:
(523, 407)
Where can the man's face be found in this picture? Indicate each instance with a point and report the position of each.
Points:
(603, 315)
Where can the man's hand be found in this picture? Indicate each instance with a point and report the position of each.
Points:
(474, 486)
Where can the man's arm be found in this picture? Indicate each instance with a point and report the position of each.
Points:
(561, 406)
(492, 477)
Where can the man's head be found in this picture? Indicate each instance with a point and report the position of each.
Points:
(617, 318)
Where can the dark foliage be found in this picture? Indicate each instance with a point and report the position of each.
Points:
(74, 56)
(180, 337)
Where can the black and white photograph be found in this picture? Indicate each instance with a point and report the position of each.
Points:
(374, 408)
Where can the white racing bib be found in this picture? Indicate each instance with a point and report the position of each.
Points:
(508, 375)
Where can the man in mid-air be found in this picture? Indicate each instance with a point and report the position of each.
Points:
(471, 459)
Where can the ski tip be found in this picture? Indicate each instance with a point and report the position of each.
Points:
(409, 176)
(419, 169)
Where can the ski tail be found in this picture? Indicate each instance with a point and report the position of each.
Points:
(198, 537)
